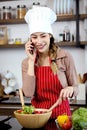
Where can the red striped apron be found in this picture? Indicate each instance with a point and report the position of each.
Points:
(48, 88)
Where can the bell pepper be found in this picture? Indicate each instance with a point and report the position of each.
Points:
(64, 122)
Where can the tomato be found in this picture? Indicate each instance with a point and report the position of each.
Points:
(20, 111)
(38, 112)
(67, 125)
(64, 122)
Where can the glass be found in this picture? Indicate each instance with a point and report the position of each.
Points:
(18, 41)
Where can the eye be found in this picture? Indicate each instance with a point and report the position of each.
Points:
(34, 37)
(43, 36)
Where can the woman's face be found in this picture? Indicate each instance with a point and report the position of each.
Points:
(41, 41)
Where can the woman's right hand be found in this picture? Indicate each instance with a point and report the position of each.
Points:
(30, 50)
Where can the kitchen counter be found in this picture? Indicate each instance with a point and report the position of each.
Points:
(11, 123)
(8, 106)
(16, 100)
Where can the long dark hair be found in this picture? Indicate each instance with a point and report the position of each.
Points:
(53, 55)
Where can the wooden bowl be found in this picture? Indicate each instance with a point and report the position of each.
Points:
(33, 120)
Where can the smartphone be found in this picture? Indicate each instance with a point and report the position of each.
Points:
(32, 48)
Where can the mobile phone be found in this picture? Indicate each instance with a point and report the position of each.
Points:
(32, 48)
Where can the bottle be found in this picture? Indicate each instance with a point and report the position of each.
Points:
(21, 11)
(66, 34)
(60, 37)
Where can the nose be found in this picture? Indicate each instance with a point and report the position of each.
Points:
(38, 40)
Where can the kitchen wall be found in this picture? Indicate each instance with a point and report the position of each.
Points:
(10, 59)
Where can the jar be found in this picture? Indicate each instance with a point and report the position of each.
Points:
(18, 41)
(7, 12)
(10, 41)
(21, 11)
(36, 4)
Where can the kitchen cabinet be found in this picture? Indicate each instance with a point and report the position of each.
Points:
(74, 17)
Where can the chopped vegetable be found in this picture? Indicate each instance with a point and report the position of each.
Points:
(30, 110)
(64, 122)
(27, 110)
(61, 119)
(79, 118)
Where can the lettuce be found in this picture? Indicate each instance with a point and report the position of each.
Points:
(28, 109)
(79, 118)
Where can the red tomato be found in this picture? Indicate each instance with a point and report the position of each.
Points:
(38, 112)
(19, 111)
(67, 125)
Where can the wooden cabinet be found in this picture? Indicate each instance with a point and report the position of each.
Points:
(76, 17)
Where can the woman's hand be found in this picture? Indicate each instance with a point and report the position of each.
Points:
(30, 50)
(66, 93)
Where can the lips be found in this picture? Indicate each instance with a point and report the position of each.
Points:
(40, 47)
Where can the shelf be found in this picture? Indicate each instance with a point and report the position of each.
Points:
(22, 21)
(12, 46)
(82, 16)
(22, 45)
(66, 17)
(83, 43)
(66, 44)
(12, 21)
(59, 18)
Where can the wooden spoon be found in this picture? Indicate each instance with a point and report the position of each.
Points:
(21, 97)
(58, 102)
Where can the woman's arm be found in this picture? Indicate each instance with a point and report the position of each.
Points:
(28, 76)
(28, 81)
(67, 74)
(71, 74)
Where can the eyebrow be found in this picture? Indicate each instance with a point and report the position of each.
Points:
(40, 34)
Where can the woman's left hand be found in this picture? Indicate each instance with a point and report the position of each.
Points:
(66, 93)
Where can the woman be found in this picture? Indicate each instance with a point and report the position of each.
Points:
(48, 73)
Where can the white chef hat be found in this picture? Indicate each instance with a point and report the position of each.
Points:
(40, 19)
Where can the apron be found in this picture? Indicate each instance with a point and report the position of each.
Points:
(47, 91)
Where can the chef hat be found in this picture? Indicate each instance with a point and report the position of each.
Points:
(40, 19)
